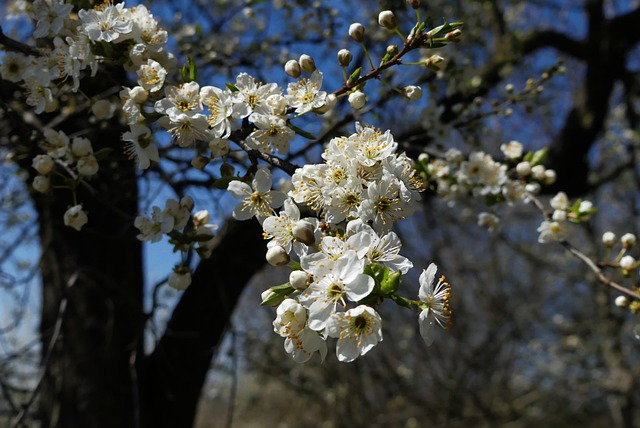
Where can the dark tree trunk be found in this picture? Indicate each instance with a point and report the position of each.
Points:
(98, 271)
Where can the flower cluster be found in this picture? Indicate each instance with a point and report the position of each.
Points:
(347, 259)
(63, 157)
(555, 228)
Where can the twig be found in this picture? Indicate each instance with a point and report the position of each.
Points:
(47, 359)
(583, 257)
(16, 46)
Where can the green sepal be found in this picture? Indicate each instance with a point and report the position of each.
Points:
(277, 294)
(391, 283)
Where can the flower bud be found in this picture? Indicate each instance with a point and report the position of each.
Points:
(201, 217)
(538, 172)
(357, 99)
(303, 232)
(533, 188)
(550, 177)
(392, 50)
(43, 164)
(277, 256)
(415, 4)
(138, 94)
(356, 32)
(292, 68)
(434, 63)
(307, 63)
(412, 92)
(627, 262)
(523, 168)
(41, 184)
(75, 217)
(609, 239)
(87, 166)
(81, 147)
(628, 240)
(622, 301)
(344, 57)
(560, 201)
(180, 278)
(559, 215)
(454, 36)
(299, 279)
(387, 19)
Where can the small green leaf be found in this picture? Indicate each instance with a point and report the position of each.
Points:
(354, 76)
(539, 156)
(391, 283)
(232, 87)
(277, 294)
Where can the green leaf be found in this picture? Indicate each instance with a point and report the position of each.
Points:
(232, 87)
(391, 283)
(277, 294)
(539, 156)
(354, 76)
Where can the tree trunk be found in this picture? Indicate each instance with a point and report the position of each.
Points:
(98, 273)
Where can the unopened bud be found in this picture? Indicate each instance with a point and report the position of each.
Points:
(292, 68)
(41, 184)
(344, 57)
(277, 256)
(187, 202)
(180, 278)
(303, 232)
(622, 301)
(523, 168)
(387, 19)
(412, 93)
(609, 239)
(299, 279)
(435, 63)
(392, 50)
(550, 177)
(201, 217)
(538, 172)
(627, 262)
(453, 36)
(307, 63)
(356, 32)
(357, 100)
(414, 3)
(43, 164)
(628, 240)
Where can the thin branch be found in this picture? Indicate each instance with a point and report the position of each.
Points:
(16, 46)
(47, 359)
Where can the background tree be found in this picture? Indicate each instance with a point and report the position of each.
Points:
(531, 345)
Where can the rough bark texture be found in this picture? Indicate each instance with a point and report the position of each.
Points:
(88, 376)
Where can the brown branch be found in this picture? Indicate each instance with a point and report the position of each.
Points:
(16, 46)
